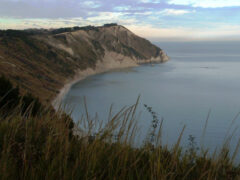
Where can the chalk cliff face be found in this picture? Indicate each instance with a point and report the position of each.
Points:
(43, 61)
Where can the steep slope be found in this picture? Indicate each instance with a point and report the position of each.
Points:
(42, 61)
(95, 43)
(34, 65)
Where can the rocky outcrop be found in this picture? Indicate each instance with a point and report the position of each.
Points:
(98, 43)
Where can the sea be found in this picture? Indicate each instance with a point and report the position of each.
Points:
(199, 88)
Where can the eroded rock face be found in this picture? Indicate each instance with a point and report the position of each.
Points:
(98, 42)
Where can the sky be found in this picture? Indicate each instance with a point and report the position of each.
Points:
(169, 20)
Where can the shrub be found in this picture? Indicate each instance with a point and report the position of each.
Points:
(9, 96)
(10, 99)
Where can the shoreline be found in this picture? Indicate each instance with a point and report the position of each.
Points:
(111, 61)
(81, 75)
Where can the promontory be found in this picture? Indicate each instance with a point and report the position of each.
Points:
(44, 61)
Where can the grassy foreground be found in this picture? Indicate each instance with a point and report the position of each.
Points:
(43, 147)
(46, 146)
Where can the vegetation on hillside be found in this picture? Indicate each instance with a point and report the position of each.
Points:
(27, 32)
(34, 65)
(44, 147)
(10, 100)
(42, 60)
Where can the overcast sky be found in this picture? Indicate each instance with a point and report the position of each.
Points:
(153, 19)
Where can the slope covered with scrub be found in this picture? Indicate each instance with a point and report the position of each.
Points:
(41, 61)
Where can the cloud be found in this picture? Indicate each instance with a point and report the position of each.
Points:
(182, 33)
(175, 12)
(155, 18)
(11, 23)
(207, 3)
(212, 31)
(122, 8)
(92, 4)
(108, 17)
(150, 1)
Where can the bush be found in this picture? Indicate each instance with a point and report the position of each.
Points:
(10, 99)
(9, 96)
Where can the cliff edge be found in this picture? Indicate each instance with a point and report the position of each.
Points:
(98, 43)
(44, 61)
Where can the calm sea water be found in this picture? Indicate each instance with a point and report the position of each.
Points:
(200, 76)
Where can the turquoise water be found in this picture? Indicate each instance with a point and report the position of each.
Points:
(200, 76)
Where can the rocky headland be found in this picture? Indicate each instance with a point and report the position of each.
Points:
(44, 61)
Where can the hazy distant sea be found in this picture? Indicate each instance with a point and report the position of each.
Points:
(200, 76)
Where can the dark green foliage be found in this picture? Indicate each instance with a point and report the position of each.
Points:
(21, 33)
(76, 28)
(62, 30)
(13, 33)
(110, 25)
(154, 123)
(31, 104)
(10, 99)
(9, 96)
(192, 149)
(30, 32)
